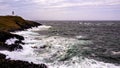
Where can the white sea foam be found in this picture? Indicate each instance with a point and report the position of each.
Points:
(43, 27)
(10, 41)
(86, 63)
(49, 50)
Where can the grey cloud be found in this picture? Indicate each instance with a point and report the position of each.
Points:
(56, 3)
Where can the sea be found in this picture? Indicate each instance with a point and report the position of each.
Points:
(71, 44)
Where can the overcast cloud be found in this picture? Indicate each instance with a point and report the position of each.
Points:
(63, 9)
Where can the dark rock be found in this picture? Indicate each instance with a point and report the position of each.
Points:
(6, 63)
(14, 47)
(34, 47)
(44, 46)
(19, 42)
(6, 35)
(10, 47)
(19, 37)
(2, 56)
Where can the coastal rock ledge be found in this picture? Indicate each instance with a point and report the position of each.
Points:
(13, 42)
(7, 63)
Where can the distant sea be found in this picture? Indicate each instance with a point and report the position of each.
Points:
(71, 44)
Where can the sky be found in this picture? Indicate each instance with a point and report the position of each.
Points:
(62, 9)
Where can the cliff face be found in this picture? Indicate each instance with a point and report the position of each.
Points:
(12, 23)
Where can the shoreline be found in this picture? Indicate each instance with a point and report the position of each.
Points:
(5, 36)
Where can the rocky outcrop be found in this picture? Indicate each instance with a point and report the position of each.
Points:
(14, 23)
(5, 36)
(7, 63)
(2, 56)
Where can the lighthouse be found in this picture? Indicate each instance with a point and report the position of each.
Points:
(13, 13)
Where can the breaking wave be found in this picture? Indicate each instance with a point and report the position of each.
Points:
(54, 51)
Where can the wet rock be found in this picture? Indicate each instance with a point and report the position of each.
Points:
(19, 42)
(34, 47)
(19, 37)
(14, 47)
(44, 46)
(6, 35)
(7, 63)
(2, 56)
(10, 47)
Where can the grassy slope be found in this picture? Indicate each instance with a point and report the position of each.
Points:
(11, 23)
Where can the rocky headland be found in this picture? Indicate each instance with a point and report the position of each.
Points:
(9, 24)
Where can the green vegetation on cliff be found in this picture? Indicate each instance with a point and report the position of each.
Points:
(12, 23)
